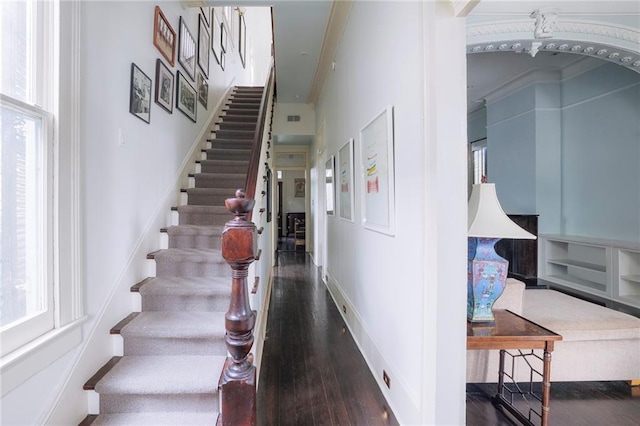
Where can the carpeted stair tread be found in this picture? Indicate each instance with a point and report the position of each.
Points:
(204, 214)
(156, 419)
(195, 230)
(188, 255)
(224, 166)
(168, 374)
(221, 210)
(184, 325)
(178, 286)
(239, 118)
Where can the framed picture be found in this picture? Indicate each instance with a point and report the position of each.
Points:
(223, 38)
(345, 176)
(377, 169)
(164, 86)
(298, 185)
(330, 193)
(186, 97)
(140, 94)
(242, 39)
(205, 14)
(187, 50)
(164, 37)
(203, 90)
(216, 35)
(203, 46)
(222, 60)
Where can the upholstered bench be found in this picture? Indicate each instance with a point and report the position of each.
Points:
(599, 344)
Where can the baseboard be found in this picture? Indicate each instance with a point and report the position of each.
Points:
(399, 397)
(261, 328)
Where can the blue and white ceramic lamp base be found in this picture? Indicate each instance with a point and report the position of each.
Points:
(486, 278)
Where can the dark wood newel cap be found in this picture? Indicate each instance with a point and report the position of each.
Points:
(239, 205)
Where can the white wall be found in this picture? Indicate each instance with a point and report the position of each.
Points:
(405, 316)
(127, 191)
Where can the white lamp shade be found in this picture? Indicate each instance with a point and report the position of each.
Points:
(486, 217)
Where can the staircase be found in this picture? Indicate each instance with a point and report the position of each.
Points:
(174, 349)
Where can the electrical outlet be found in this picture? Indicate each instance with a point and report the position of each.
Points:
(344, 309)
(387, 380)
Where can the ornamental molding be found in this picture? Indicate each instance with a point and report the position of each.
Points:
(576, 27)
(614, 44)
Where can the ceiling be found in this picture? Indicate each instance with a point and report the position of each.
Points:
(300, 27)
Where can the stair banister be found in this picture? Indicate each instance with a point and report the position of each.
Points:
(252, 173)
(238, 381)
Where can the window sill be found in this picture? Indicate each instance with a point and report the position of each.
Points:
(19, 365)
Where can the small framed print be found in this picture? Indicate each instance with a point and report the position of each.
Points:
(345, 180)
(164, 86)
(205, 13)
(222, 55)
(203, 90)
(203, 46)
(164, 37)
(187, 50)
(223, 38)
(140, 94)
(186, 97)
(216, 35)
(242, 40)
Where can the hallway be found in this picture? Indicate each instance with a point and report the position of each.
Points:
(312, 371)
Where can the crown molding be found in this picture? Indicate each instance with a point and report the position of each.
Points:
(338, 17)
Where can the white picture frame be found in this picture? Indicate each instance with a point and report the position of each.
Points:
(345, 181)
(377, 173)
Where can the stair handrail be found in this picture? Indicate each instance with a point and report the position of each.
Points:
(252, 172)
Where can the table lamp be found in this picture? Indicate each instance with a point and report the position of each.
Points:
(486, 270)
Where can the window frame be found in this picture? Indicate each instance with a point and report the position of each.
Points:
(63, 99)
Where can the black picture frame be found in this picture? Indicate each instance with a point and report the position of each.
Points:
(186, 95)
(203, 46)
(140, 94)
(242, 40)
(164, 86)
(224, 38)
(216, 35)
(203, 90)
(187, 50)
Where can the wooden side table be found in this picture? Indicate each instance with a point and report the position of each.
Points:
(511, 331)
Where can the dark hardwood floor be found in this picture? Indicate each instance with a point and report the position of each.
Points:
(313, 373)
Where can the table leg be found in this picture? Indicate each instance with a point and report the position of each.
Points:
(546, 386)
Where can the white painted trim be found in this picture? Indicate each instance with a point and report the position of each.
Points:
(31, 358)
(261, 328)
(521, 82)
(399, 396)
(602, 95)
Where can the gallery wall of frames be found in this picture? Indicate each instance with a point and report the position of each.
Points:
(190, 51)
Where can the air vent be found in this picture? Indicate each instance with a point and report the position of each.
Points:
(293, 118)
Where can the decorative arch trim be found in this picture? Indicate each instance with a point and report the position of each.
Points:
(612, 43)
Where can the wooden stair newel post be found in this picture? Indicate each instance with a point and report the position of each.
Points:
(238, 381)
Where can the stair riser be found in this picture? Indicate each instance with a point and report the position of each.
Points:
(212, 345)
(195, 199)
(128, 403)
(223, 168)
(219, 182)
(244, 105)
(239, 119)
(195, 241)
(185, 268)
(230, 144)
(185, 303)
(242, 111)
(223, 154)
(203, 219)
(247, 126)
(234, 134)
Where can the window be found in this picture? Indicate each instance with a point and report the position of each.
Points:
(479, 158)
(26, 167)
(40, 271)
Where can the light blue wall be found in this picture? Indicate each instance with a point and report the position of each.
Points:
(477, 125)
(570, 152)
(601, 154)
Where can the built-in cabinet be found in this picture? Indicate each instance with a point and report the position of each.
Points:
(604, 268)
